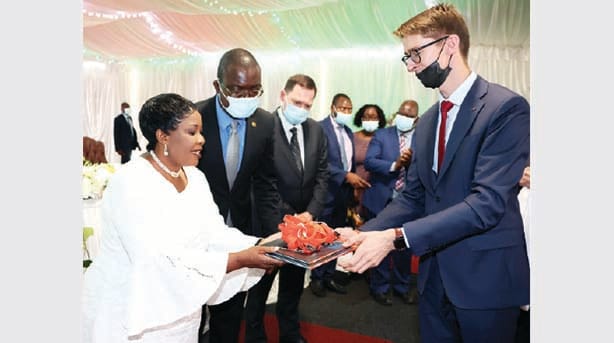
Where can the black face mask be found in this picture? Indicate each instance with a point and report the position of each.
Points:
(433, 76)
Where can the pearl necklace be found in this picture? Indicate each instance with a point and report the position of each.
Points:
(159, 163)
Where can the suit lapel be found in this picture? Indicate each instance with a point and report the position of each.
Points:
(213, 145)
(427, 125)
(285, 146)
(469, 109)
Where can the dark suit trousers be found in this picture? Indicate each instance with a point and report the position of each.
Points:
(393, 272)
(290, 289)
(442, 322)
(126, 156)
(225, 321)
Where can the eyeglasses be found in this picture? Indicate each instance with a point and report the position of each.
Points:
(237, 92)
(414, 54)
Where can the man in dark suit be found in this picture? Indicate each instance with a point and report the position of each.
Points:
(301, 166)
(124, 134)
(459, 210)
(341, 184)
(238, 159)
(387, 159)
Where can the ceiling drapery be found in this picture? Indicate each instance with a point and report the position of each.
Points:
(135, 49)
(129, 29)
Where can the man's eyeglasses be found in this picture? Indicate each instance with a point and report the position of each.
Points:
(237, 92)
(414, 54)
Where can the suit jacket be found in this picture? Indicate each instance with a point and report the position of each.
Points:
(383, 150)
(124, 134)
(339, 192)
(255, 173)
(304, 191)
(467, 216)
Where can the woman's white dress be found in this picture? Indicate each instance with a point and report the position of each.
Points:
(163, 255)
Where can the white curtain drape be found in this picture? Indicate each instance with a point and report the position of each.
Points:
(346, 46)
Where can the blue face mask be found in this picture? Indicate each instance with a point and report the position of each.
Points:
(403, 123)
(370, 125)
(295, 115)
(241, 108)
(343, 118)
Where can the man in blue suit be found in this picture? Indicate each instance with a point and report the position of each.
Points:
(459, 210)
(341, 184)
(387, 159)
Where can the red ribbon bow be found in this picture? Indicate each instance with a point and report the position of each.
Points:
(303, 236)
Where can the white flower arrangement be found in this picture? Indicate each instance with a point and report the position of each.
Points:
(95, 178)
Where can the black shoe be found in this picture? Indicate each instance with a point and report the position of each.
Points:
(317, 288)
(408, 297)
(335, 287)
(383, 298)
(301, 339)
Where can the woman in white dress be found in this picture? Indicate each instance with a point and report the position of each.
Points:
(159, 262)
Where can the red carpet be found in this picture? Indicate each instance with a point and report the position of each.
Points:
(313, 333)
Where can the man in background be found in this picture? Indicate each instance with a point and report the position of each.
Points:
(341, 184)
(124, 134)
(301, 167)
(388, 157)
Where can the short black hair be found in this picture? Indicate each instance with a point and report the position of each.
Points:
(124, 105)
(380, 115)
(337, 96)
(237, 56)
(165, 112)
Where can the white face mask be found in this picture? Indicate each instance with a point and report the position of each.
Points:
(295, 115)
(403, 123)
(370, 125)
(127, 110)
(343, 118)
(242, 108)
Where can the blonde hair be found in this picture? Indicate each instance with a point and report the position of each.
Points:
(436, 22)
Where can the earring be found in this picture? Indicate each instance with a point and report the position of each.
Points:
(165, 150)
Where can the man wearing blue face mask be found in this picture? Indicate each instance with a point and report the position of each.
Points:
(341, 184)
(237, 160)
(301, 166)
(388, 157)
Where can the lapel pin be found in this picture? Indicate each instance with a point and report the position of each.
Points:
(253, 124)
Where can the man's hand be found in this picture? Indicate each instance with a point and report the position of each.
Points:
(404, 159)
(346, 233)
(525, 181)
(373, 246)
(356, 181)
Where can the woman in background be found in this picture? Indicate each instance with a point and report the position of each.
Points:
(159, 260)
(369, 118)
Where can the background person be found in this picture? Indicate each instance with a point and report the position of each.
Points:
(341, 184)
(124, 134)
(388, 158)
(369, 118)
(301, 166)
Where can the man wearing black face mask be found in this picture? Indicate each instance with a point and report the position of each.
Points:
(459, 210)
(238, 159)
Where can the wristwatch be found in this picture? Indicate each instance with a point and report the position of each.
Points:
(399, 240)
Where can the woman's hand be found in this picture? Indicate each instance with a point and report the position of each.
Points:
(253, 257)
